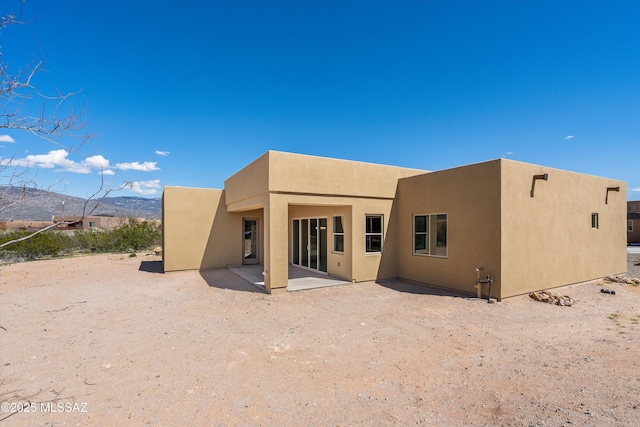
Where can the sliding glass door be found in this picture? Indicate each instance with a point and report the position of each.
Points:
(309, 243)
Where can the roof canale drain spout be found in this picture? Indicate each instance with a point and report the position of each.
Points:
(544, 177)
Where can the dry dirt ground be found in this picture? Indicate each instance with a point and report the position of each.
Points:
(107, 340)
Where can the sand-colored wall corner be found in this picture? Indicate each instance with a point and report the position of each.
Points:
(470, 196)
(248, 182)
(548, 239)
(198, 233)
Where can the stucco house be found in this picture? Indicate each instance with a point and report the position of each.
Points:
(78, 222)
(530, 227)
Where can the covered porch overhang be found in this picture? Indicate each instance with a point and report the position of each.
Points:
(277, 211)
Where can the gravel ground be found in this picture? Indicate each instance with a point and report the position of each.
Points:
(108, 340)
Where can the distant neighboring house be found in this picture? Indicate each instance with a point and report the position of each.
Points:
(530, 227)
(18, 225)
(77, 222)
(633, 222)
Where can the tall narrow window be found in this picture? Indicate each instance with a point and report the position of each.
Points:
(430, 235)
(338, 235)
(629, 225)
(594, 220)
(441, 238)
(421, 234)
(295, 247)
(373, 233)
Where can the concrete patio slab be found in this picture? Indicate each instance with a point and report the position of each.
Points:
(299, 278)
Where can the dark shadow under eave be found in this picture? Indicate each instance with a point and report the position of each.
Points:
(223, 278)
(405, 286)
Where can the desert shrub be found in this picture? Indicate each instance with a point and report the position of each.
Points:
(66, 240)
(130, 237)
(38, 246)
(93, 240)
(135, 236)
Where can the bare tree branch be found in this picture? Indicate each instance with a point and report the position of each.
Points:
(48, 116)
(17, 90)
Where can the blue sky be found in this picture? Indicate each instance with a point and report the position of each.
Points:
(188, 92)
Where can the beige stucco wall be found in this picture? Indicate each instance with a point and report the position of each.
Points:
(198, 233)
(470, 196)
(373, 266)
(547, 240)
(105, 222)
(249, 182)
(102, 222)
(526, 243)
(297, 173)
(276, 236)
(279, 172)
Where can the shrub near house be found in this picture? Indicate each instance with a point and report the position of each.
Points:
(39, 246)
(132, 236)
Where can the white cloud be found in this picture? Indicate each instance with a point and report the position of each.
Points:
(635, 189)
(7, 138)
(60, 159)
(162, 153)
(137, 166)
(53, 159)
(144, 187)
(96, 162)
(568, 137)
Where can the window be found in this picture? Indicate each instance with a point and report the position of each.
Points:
(92, 224)
(338, 235)
(430, 235)
(441, 236)
(373, 233)
(421, 234)
(629, 225)
(594, 221)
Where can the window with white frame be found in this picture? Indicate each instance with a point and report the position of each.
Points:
(338, 235)
(594, 221)
(629, 225)
(373, 233)
(430, 235)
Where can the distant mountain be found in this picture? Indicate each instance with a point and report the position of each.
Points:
(41, 205)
